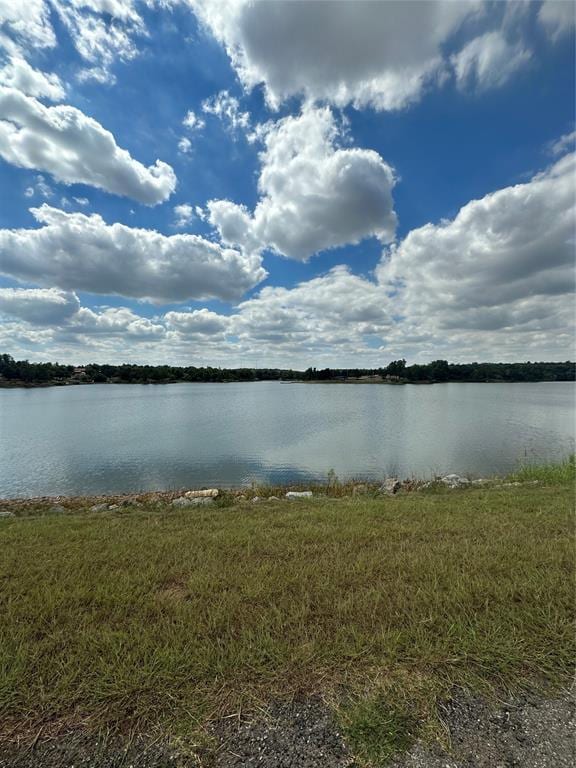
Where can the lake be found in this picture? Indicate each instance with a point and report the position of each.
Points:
(106, 438)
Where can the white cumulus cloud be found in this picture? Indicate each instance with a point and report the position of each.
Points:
(314, 195)
(335, 310)
(504, 263)
(199, 322)
(75, 148)
(28, 22)
(379, 54)
(39, 306)
(74, 251)
(115, 321)
(17, 73)
(183, 215)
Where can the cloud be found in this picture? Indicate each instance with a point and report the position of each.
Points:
(334, 310)
(561, 145)
(558, 17)
(183, 215)
(102, 31)
(74, 251)
(200, 322)
(227, 109)
(62, 312)
(330, 314)
(74, 148)
(18, 74)
(40, 187)
(193, 122)
(378, 54)
(314, 195)
(97, 75)
(28, 23)
(504, 263)
(495, 282)
(39, 306)
(488, 61)
(115, 321)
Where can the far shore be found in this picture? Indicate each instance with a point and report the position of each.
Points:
(382, 382)
(22, 373)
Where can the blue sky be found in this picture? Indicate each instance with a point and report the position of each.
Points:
(358, 182)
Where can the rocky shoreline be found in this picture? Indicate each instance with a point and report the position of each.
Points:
(22, 506)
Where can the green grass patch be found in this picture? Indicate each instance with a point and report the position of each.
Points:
(376, 731)
(158, 619)
(550, 474)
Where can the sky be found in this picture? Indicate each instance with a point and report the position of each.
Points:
(287, 184)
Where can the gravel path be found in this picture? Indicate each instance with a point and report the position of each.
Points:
(526, 733)
(300, 735)
(82, 751)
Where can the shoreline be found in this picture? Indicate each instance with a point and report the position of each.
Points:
(72, 384)
(332, 488)
(260, 493)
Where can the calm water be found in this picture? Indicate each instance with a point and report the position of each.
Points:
(107, 438)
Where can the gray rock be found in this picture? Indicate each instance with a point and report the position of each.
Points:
(99, 508)
(299, 495)
(256, 499)
(130, 502)
(182, 501)
(273, 498)
(240, 498)
(57, 510)
(5, 513)
(114, 506)
(455, 481)
(391, 486)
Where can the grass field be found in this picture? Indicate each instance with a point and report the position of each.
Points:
(158, 620)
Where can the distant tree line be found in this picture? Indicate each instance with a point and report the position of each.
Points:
(21, 372)
(442, 370)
